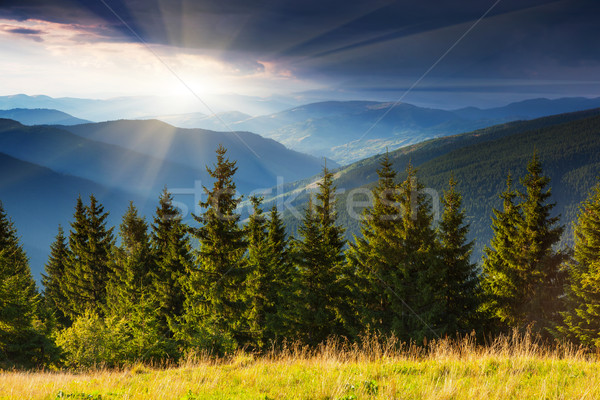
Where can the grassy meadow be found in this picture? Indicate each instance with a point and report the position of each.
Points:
(509, 368)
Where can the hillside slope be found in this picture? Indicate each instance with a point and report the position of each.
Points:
(110, 165)
(41, 116)
(38, 199)
(568, 145)
(260, 160)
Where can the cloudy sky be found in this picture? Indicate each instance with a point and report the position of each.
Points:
(448, 53)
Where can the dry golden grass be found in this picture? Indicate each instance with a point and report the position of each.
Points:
(513, 367)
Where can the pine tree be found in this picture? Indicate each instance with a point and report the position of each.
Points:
(458, 289)
(539, 233)
(259, 282)
(88, 269)
(374, 256)
(282, 291)
(129, 279)
(323, 281)
(21, 342)
(412, 288)
(131, 301)
(53, 279)
(270, 280)
(582, 319)
(172, 255)
(215, 305)
(501, 279)
(522, 271)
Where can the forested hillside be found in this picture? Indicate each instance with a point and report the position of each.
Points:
(568, 146)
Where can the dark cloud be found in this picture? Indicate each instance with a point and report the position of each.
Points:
(351, 40)
(25, 31)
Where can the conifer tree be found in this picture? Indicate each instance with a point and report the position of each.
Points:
(258, 273)
(131, 301)
(413, 289)
(88, 269)
(374, 256)
(129, 280)
(282, 292)
(323, 281)
(54, 277)
(172, 256)
(21, 343)
(581, 321)
(458, 289)
(270, 280)
(216, 301)
(539, 233)
(501, 279)
(523, 276)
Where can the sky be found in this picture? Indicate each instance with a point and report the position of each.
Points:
(445, 54)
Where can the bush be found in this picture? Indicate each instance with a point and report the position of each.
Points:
(91, 342)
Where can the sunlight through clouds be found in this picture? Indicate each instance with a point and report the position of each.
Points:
(89, 56)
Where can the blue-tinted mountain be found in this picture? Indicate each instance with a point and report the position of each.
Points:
(260, 161)
(38, 199)
(352, 130)
(109, 165)
(533, 108)
(349, 131)
(218, 122)
(41, 116)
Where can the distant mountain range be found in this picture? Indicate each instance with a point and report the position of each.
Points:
(41, 116)
(133, 107)
(352, 130)
(261, 161)
(344, 131)
(218, 122)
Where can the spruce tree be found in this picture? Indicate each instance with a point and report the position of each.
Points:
(21, 343)
(539, 234)
(173, 261)
(259, 282)
(86, 277)
(324, 283)
(413, 288)
(215, 310)
(129, 279)
(282, 291)
(270, 280)
(501, 280)
(458, 289)
(523, 278)
(53, 279)
(131, 301)
(374, 256)
(581, 321)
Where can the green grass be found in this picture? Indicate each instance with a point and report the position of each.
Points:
(510, 368)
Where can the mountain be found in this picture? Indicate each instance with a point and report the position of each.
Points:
(568, 145)
(261, 161)
(109, 165)
(218, 122)
(142, 106)
(533, 108)
(40, 116)
(352, 130)
(349, 131)
(38, 199)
